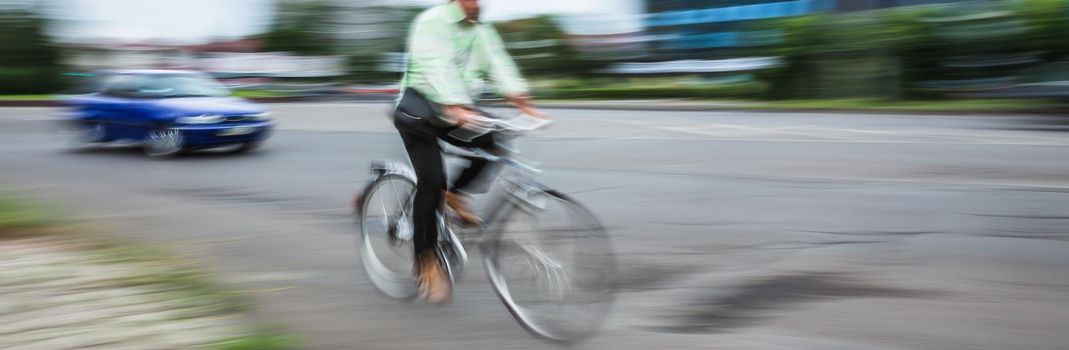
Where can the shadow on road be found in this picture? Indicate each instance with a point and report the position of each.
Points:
(1055, 123)
(135, 151)
(755, 301)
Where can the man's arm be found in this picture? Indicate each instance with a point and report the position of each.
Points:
(504, 73)
(500, 66)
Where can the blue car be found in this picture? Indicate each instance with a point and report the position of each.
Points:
(168, 112)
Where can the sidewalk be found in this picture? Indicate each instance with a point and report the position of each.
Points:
(60, 290)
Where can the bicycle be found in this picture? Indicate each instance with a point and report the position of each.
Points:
(557, 301)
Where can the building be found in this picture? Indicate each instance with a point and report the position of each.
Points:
(695, 29)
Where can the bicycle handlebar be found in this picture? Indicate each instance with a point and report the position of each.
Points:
(517, 125)
(520, 123)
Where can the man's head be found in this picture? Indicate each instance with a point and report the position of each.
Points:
(471, 9)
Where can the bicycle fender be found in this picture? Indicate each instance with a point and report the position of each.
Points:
(380, 168)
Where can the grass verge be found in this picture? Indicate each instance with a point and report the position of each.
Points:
(266, 340)
(178, 280)
(987, 105)
(873, 105)
(20, 218)
(259, 93)
(26, 97)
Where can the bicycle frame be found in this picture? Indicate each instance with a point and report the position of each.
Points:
(516, 186)
(517, 191)
(519, 184)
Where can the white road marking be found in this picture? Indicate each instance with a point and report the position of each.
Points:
(810, 134)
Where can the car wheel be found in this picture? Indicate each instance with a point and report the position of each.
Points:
(164, 142)
(86, 134)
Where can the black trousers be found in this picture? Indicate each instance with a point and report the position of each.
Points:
(421, 142)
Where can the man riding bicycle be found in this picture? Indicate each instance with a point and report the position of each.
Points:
(450, 54)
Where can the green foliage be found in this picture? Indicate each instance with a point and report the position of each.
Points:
(302, 28)
(540, 49)
(259, 93)
(1048, 24)
(1006, 105)
(17, 215)
(265, 341)
(748, 89)
(890, 52)
(364, 58)
(838, 55)
(30, 62)
(800, 35)
(795, 76)
(34, 97)
(364, 67)
(398, 21)
(188, 289)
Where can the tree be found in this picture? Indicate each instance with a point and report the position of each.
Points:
(30, 63)
(539, 48)
(367, 60)
(302, 28)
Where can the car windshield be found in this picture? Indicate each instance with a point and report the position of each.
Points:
(184, 85)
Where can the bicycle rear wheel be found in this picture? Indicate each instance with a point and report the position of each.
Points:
(553, 267)
(385, 223)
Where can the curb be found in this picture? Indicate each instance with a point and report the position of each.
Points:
(632, 106)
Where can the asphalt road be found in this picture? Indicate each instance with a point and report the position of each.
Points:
(735, 230)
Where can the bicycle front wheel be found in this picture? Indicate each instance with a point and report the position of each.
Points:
(553, 267)
(384, 218)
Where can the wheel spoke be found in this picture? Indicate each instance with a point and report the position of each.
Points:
(162, 142)
(553, 268)
(387, 259)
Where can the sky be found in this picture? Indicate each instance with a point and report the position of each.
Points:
(197, 21)
(507, 9)
(183, 21)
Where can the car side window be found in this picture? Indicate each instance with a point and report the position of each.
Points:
(124, 85)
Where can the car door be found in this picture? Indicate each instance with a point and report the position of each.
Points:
(120, 107)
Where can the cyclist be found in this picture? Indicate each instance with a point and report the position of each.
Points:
(450, 52)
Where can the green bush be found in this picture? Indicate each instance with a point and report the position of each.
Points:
(547, 52)
(890, 52)
(30, 63)
(365, 68)
(31, 80)
(627, 91)
(1048, 25)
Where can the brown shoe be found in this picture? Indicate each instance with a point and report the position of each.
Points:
(459, 205)
(433, 282)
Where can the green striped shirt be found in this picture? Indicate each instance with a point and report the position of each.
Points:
(449, 58)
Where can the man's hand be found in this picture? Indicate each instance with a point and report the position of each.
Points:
(523, 103)
(458, 114)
